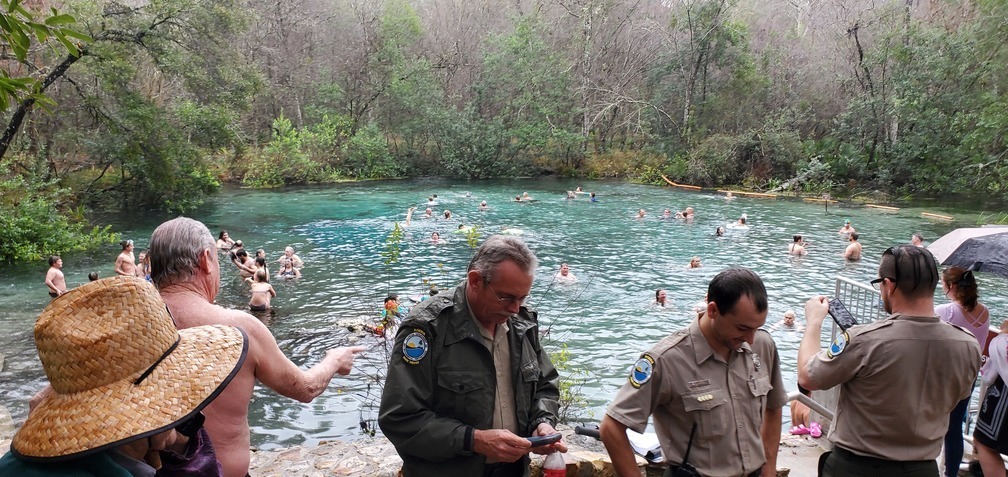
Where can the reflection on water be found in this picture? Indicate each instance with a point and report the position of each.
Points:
(605, 319)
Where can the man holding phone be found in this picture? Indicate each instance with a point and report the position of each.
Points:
(469, 386)
(911, 364)
(715, 390)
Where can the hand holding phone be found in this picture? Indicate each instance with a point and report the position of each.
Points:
(537, 441)
(841, 315)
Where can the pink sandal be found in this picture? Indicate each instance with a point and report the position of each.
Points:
(814, 429)
(800, 430)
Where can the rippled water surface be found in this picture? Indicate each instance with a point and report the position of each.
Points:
(605, 319)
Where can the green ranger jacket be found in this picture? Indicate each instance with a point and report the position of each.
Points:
(441, 385)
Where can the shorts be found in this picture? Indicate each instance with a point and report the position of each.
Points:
(53, 294)
(990, 426)
(258, 307)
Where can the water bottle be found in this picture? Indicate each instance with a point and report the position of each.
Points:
(554, 465)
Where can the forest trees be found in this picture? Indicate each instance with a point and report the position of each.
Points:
(173, 97)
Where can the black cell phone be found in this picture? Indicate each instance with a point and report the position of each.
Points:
(537, 441)
(841, 315)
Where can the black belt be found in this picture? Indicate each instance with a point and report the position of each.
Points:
(670, 471)
(504, 469)
(851, 456)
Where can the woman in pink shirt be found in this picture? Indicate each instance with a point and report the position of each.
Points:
(967, 312)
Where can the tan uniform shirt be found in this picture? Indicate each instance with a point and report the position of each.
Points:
(682, 381)
(504, 402)
(900, 379)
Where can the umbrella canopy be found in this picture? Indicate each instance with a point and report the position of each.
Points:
(948, 243)
(985, 247)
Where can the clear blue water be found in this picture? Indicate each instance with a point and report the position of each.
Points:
(605, 320)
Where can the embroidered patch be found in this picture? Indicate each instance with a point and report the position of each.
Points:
(756, 362)
(414, 347)
(838, 345)
(642, 371)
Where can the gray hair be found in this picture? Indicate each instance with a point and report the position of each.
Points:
(175, 248)
(498, 249)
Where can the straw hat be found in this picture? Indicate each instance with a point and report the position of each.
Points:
(120, 370)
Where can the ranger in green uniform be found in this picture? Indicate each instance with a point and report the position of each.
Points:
(720, 377)
(468, 377)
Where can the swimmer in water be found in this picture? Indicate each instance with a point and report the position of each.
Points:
(666, 214)
(435, 237)
(798, 246)
(719, 232)
(483, 206)
(640, 214)
(694, 263)
(659, 296)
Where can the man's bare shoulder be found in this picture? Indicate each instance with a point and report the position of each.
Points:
(190, 311)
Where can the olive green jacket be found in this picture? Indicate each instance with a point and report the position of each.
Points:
(441, 385)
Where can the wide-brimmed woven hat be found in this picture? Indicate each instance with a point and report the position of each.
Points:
(120, 370)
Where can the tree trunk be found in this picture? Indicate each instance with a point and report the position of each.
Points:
(14, 125)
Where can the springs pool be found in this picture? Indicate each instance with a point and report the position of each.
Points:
(605, 319)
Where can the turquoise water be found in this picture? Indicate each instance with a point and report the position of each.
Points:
(605, 319)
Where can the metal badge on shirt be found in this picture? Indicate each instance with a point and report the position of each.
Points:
(415, 347)
(642, 371)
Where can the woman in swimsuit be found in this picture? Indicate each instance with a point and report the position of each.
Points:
(262, 292)
(288, 271)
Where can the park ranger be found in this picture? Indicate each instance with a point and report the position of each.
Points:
(899, 377)
(468, 378)
(714, 388)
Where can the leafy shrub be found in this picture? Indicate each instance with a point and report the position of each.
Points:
(34, 226)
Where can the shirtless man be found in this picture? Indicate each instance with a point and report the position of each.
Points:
(54, 277)
(917, 240)
(185, 268)
(853, 252)
(125, 263)
(846, 229)
(564, 275)
(290, 256)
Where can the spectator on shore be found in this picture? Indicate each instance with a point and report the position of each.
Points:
(125, 397)
(185, 268)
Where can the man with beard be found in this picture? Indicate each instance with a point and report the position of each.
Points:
(911, 364)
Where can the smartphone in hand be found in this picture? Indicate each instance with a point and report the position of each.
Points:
(537, 441)
(841, 315)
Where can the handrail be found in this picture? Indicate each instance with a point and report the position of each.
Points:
(811, 403)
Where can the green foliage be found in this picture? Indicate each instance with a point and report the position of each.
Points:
(18, 27)
(572, 380)
(368, 155)
(393, 245)
(472, 235)
(35, 223)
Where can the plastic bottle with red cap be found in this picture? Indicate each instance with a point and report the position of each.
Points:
(554, 465)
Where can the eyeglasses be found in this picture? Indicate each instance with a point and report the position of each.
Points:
(877, 282)
(507, 300)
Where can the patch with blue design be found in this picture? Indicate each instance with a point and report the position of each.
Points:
(642, 371)
(415, 347)
(838, 345)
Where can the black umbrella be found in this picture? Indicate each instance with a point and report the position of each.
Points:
(988, 253)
